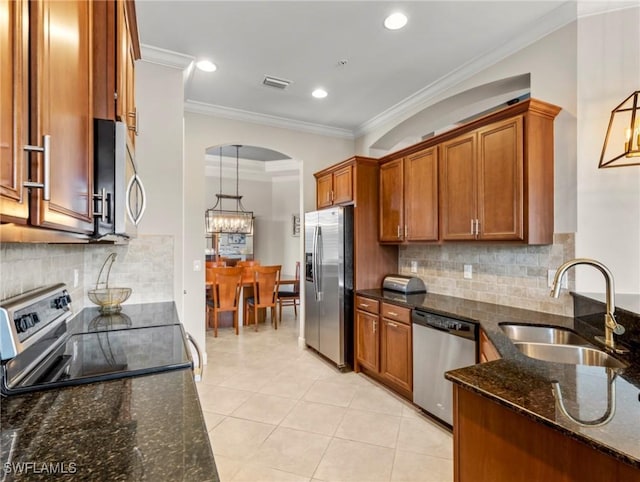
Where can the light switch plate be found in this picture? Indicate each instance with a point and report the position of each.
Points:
(414, 266)
(468, 271)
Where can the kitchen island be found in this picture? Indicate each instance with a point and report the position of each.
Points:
(523, 385)
(147, 427)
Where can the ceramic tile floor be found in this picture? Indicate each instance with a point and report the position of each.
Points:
(277, 412)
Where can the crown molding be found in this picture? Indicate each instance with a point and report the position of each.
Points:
(558, 18)
(265, 119)
(166, 58)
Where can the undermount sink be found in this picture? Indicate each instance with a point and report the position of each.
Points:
(571, 354)
(542, 334)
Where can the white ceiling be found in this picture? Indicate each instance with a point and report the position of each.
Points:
(304, 41)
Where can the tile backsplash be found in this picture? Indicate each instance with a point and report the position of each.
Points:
(145, 264)
(502, 274)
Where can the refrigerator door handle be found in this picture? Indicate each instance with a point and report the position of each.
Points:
(319, 262)
(314, 262)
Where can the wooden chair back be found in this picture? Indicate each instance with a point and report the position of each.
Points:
(226, 284)
(248, 263)
(266, 280)
(215, 264)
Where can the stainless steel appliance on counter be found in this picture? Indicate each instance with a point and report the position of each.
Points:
(38, 352)
(329, 283)
(440, 344)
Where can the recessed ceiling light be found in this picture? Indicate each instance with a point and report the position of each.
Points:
(395, 21)
(319, 93)
(206, 66)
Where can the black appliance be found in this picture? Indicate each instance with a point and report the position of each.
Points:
(38, 352)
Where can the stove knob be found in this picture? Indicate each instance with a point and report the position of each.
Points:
(21, 324)
(67, 296)
(35, 317)
(28, 319)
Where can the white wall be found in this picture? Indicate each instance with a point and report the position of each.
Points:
(551, 63)
(608, 199)
(159, 93)
(202, 131)
(284, 205)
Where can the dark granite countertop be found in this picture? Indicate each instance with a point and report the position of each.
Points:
(141, 428)
(525, 384)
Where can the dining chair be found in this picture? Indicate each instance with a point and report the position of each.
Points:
(225, 284)
(290, 297)
(266, 280)
(215, 264)
(248, 263)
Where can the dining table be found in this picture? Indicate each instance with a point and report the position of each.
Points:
(247, 292)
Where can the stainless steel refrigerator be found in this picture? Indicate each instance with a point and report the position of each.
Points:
(329, 283)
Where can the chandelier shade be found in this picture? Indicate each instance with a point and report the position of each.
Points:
(225, 221)
(622, 143)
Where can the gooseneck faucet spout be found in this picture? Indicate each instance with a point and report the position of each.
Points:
(611, 327)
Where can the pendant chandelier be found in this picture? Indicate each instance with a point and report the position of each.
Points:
(622, 142)
(219, 221)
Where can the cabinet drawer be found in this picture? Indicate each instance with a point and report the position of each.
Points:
(367, 304)
(397, 313)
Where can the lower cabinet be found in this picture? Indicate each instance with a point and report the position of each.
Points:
(497, 444)
(488, 352)
(384, 344)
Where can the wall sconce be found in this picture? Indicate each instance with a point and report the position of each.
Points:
(623, 132)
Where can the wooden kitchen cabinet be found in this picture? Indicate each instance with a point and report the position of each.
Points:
(493, 178)
(409, 198)
(335, 188)
(481, 184)
(493, 442)
(116, 48)
(14, 89)
(354, 182)
(384, 344)
(396, 348)
(55, 101)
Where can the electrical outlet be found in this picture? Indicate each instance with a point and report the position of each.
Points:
(414, 266)
(468, 271)
(197, 265)
(551, 274)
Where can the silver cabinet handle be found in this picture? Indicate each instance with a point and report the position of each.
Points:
(375, 325)
(45, 185)
(134, 127)
(331, 196)
(364, 305)
(477, 227)
(392, 324)
(103, 197)
(398, 231)
(406, 231)
(473, 226)
(392, 313)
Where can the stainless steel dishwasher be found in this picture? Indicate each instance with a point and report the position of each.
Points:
(440, 344)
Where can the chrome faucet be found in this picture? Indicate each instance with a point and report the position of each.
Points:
(611, 327)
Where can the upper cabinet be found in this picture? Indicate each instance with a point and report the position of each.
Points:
(334, 187)
(409, 198)
(116, 48)
(47, 136)
(493, 178)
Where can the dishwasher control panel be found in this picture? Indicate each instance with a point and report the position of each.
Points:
(465, 329)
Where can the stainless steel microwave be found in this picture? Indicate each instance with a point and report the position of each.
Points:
(119, 197)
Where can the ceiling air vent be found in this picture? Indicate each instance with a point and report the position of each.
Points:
(275, 82)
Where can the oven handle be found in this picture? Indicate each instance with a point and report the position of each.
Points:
(197, 370)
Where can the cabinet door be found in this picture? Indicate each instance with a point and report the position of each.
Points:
(458, 187)
(500, 181)
(343, 185)
(324, 188)
(391, 202)
(421, 196)
(61, 106)
(396, 353)
(367, 344)
(14, 112)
